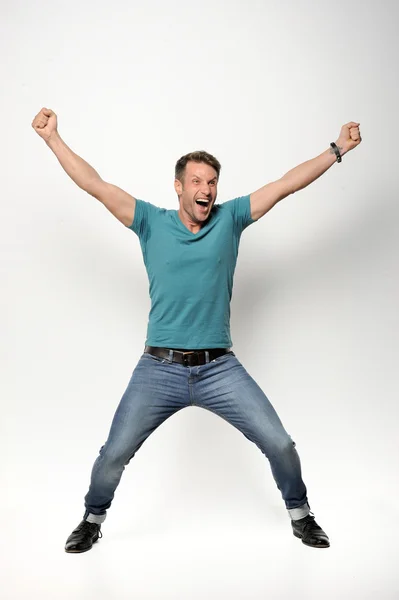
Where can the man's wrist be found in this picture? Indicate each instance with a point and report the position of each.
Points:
(341, 148)
(53, 140)
(338, 148)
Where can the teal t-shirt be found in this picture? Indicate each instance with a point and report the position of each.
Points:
(190, 274)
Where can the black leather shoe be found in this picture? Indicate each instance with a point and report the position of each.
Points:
(83, 537)
(310, 532)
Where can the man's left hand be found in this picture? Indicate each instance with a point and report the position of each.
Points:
(349, 137)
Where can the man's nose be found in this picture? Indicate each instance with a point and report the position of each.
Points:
(206, 190)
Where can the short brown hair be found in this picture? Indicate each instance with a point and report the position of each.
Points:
(199, 156)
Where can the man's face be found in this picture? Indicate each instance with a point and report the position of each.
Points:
(199, 185)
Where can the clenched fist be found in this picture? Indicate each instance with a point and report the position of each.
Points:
(349, 137)
(45, 123)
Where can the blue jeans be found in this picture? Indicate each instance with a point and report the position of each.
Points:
(159, 388)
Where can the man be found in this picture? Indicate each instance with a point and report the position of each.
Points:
(190, 256)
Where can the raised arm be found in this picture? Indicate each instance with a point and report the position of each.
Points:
(118, 202)
(298, 178)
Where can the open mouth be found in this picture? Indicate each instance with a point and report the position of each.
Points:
(202, 202)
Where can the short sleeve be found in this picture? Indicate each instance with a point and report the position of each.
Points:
(144, 213)
(240, 209)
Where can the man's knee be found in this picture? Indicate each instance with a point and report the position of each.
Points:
(278, 446)
(115, 456)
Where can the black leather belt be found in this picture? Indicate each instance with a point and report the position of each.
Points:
(187, 358)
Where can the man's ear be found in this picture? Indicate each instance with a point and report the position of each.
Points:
(178, 187)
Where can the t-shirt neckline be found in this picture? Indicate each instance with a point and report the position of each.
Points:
(186, 229)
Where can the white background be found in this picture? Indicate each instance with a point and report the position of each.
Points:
(264, 86)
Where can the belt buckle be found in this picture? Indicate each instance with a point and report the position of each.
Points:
(185, 359)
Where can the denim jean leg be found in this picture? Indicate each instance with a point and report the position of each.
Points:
(151, 397)
(225, 388)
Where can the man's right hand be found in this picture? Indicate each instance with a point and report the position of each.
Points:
(45, 124)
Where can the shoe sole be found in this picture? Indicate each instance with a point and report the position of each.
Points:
(298, 535)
